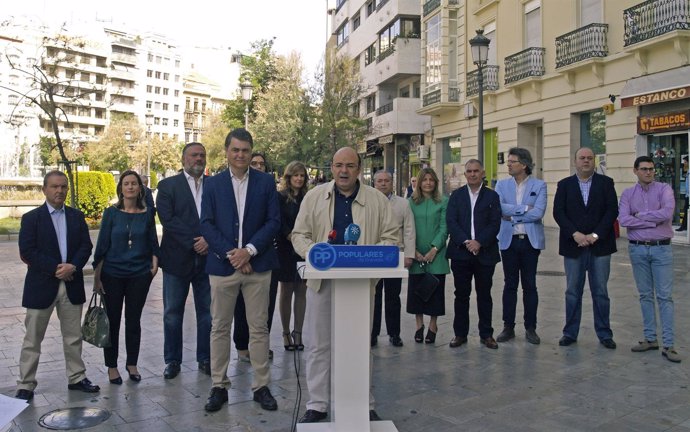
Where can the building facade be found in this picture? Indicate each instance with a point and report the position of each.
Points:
(608, 75)
(383, 37)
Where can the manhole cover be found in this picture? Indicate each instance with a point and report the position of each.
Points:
(74, 418)
(550, 273)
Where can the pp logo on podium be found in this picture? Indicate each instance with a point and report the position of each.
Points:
(322, 256)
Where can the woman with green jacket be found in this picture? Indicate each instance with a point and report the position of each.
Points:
(429, 209)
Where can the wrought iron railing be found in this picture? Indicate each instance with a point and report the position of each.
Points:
(384, 109)
(390, 50)
(430, 6)
(584, 43)
(489, 82)
(453, 94)
(431, 98)
(527, 63)
(653, 18)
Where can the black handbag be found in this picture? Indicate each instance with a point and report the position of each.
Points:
(96, 327)
(426, 285)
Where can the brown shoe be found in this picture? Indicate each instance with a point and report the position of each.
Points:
(489, 342)
(457, 341)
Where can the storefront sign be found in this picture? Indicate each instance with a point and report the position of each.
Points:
(656, 97)
(667, 122)
(387, 139)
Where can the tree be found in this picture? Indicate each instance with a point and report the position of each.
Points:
(50, 91)
(214, 141)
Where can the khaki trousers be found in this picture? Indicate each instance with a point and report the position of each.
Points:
(36, 323)
(224, 292)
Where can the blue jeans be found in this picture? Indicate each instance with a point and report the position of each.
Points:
(175, 291)
(520, 265)
(597, 269)
(653, 272)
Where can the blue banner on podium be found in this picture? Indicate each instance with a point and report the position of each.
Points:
(324, 256)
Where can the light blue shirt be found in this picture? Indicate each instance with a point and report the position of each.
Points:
(60, 225)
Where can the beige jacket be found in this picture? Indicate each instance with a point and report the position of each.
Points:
(370, 210)
(403, 218)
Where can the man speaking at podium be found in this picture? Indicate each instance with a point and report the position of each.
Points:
(325, 214)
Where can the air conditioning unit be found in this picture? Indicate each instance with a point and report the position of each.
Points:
(423, 152)
(469, 110)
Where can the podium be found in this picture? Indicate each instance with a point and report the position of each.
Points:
(350, 347)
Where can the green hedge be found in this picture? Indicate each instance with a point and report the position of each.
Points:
(96, 190)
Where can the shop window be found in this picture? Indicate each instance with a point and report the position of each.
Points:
(453, 169)
(593, 135)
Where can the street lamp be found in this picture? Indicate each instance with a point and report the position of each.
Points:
(480, 55)
(247, 89)
(149, 122)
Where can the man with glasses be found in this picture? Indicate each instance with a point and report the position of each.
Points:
(521, 238)
(585, 208)
(646, 210)
(332, 207)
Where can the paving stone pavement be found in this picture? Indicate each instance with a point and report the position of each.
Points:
(519, 387)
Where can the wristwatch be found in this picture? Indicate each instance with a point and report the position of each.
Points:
(596, 237)
(249, 251)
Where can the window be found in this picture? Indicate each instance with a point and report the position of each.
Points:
(432, 62)
(85, 77)
(150, 58)
(156, 120)
(371, 103)
(166, 76)
(165, 122)
(593, 131)
(158, 90)
(339, 4)
(176, 108)
(177, 93)
(149, 89)
(356, 21)
(177, 78)
(490, 33)
(149, 104)
(590, 12)
(157, 105)
(354, 109)
(342, 34)
(158, 75)
(159, 59)
(13, 99)
(371, 7)
(388, 35)
(176, 123)
(370, 54)
(533, 24)
(165, 91)
(149, 73)
(165, 107)
(404, 92)
(188, 104)
(410, 28)
(415, 90)
(177, 63)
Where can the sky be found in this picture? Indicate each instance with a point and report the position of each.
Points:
(299, 25)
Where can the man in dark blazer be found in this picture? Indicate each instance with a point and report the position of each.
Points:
(54, 242)
(183, 260)
(473, 219)
(240, 216)
(585, 208)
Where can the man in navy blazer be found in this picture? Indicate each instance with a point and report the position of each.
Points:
(240, 216)
(54, 242)
(473, 218)
(183, 259)
(523, 203)
(585, 208)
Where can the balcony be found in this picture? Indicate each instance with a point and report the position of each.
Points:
(431, 6)
(398, 117)
(384, 109)
(490, 80)
(124, 58)
(525, 64)
(584, 43)
(444, 98)
(654, 18)
(399, 62)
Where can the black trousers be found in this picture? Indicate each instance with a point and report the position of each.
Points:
(131, 292)
(463, 272)
(392, 287)
(240, 333)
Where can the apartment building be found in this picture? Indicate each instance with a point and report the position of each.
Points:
(383, 36)
(610, 75)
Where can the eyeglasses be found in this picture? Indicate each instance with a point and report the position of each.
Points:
(257, 164)
(646, 169)
(510, 161)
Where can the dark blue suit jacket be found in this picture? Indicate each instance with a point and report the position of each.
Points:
(220, 221)
(487, 223)
(177, 213)
(39, 249)
(571, 214)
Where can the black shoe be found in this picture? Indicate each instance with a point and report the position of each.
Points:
(608, 343)
(430, 336)
(681, 229)
(218, 397)
(270, 354)
(532, 336)
(205, 367)
(313, 416)
(24, 394)
(373, 416)
(117, 380)
(374, 340)
(566, 341)
(506, 335)
(396, 341)
(171, 370)
(264, 397)
(457, 341)
(133, 376)
(84, 385)
(419, 334)
(489, 342)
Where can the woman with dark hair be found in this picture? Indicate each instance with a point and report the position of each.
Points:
(429, 210)
(125, 262)
(294, 186)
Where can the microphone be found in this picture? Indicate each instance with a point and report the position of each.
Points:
(352, 233)
(332, 236)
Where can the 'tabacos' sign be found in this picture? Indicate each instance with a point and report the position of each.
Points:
(324, 256)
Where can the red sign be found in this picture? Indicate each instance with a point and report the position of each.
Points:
(667, 122)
